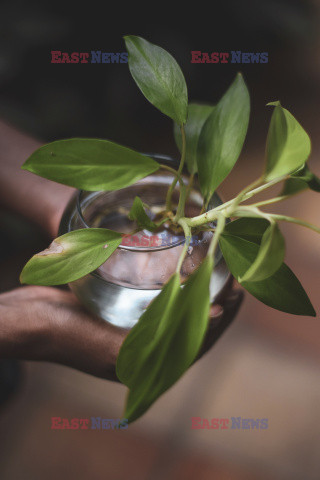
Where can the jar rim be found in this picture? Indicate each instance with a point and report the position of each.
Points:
(66, 219)
(133, 248)
(127, 247)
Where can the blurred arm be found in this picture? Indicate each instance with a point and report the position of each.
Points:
(33, 197)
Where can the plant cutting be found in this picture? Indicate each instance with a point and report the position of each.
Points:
(170, 332)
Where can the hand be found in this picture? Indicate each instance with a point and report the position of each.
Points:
(43, 323)
(49, 324)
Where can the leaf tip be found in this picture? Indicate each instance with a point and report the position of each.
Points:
(309, 311)
(129, 38)
(25, 166)
(239, 78)
(276, 103)
(312, 313)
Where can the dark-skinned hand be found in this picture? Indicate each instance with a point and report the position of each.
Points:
(49, 324)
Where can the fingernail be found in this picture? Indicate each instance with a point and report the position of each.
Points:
(215, 310)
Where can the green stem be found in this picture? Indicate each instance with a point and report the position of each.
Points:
(219, 229)
(263, 187)
(187, 233)
(181, 204)
(164, 220)
(203, 218)
(190, 184)
(172, 170)
(229, 206)
(240, 198)
(182, 198)
(295, 220)
(280, 198)
(203, 208)
(253, 192)
(249, 211)
(183, 157)
(270, 201)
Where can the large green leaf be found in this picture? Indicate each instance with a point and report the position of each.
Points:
(166, 340)
(269, 257)
(139, 214)
(71, 256)
(288, 144)
(90, 164)
(159, 77)
(301, 180)
(141, 336)
(281, 291)
(197, 115)
(251, 229)
(222, 137)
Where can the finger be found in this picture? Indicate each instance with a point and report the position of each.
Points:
(215, 310)
(32, 292)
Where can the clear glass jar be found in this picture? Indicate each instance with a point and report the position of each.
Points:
(121, 289)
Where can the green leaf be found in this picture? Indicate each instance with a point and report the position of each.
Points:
(251, 229)
(222, 137)
(138, 214)
(307, 176)
(293, 186)
(269, 257)
(71, 256)
(159, 77)
(301, 180)
(197, 115)
(165, 341)
(90, 164)
(281, 291)
(143, 333)
(288, 144)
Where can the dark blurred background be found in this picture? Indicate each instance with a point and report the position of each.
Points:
(267, 364)
(63, 100)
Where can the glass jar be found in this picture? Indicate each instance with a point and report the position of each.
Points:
(121, 289)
